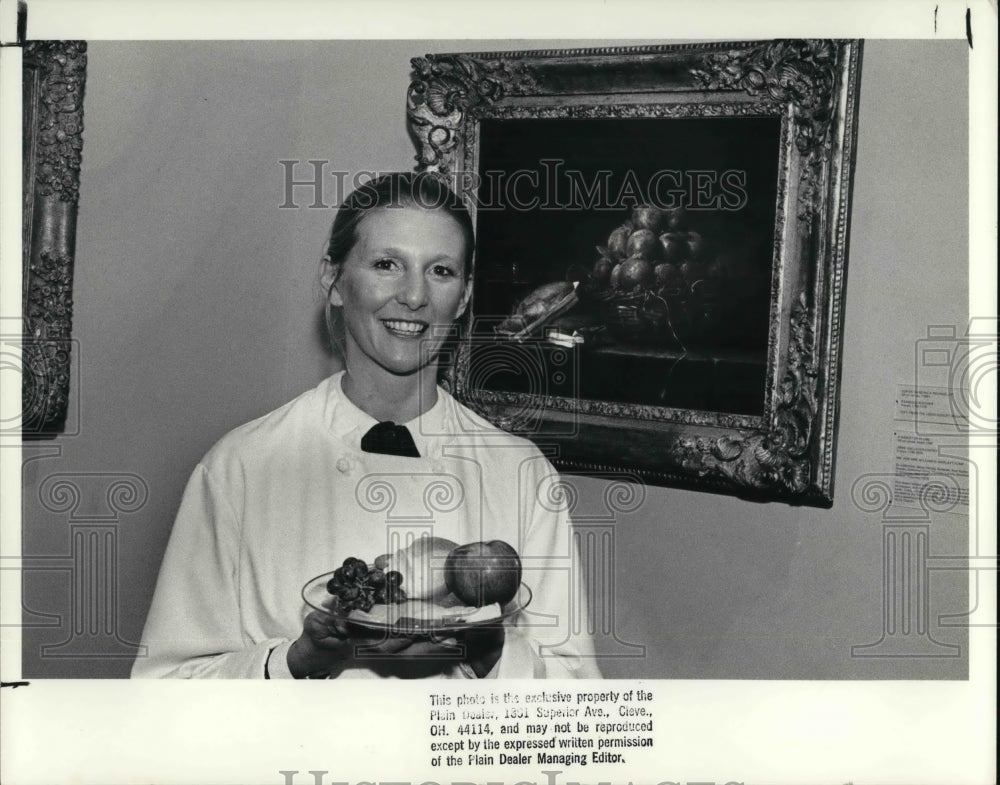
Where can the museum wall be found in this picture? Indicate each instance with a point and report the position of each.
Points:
(196, 309)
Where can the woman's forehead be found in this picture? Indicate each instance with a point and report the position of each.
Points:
(410, 229)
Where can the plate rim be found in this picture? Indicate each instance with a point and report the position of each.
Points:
(397, 627)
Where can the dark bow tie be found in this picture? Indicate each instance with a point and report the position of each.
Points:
(390, 439)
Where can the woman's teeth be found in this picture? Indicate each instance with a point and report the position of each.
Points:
(405, 328)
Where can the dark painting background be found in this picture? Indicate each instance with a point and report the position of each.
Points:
(536, 225)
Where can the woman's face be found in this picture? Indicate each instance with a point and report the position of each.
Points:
(400, 288)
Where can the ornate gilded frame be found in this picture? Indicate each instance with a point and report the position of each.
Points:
(812, 86)
(54, 74)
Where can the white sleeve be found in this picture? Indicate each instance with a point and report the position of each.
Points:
(193, 629)
(550, 639)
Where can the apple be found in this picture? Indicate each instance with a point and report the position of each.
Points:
(667, 276)
(676, 218)
(617, 240)
(643, 242)
(647, 217)
(635, 273)
(615, 279)
(481, 573)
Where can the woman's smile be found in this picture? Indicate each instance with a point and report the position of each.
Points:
(405, 329)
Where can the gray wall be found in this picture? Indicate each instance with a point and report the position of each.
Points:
(196, 310)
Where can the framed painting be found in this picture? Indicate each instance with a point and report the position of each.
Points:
(661, 253)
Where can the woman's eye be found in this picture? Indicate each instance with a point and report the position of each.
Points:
(444, 271)
(384, 264)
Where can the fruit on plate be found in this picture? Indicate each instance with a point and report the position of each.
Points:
(483, 573)
(428, 572)
(356, 586)
(422, 566)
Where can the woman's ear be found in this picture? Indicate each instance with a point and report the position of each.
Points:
(329, 275)
(466, 296)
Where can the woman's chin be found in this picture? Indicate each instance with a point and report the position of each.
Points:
(400, 361)
(409, 366)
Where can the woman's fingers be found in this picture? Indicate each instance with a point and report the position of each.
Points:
(324, 629)
(446, 649)
(424, 648)
(375, 647)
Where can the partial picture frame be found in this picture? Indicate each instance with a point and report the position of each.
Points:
(53, 87)
(662, 237)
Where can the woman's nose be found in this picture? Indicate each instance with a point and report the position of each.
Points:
(413, 291)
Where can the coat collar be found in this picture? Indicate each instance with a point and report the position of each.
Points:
(431, 430)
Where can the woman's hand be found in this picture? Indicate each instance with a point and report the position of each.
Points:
(327, 644)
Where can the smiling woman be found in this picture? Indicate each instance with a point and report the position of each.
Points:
(313, 484)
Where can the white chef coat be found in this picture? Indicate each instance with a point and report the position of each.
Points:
(290, 495)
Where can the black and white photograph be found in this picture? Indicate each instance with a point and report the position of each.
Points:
(565, 400)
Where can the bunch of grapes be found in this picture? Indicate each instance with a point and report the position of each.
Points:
(356, 585)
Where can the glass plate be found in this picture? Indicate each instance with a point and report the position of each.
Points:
(315, 594)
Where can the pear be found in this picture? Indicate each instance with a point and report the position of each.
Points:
(422, 566)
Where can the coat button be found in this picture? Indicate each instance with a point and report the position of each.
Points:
(343, 465)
